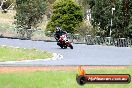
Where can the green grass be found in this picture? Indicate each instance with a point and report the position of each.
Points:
(57, 79)
(12, 54)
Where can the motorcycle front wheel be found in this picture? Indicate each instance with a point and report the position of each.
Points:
(71, 46)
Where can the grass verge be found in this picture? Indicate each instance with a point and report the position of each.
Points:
(13, 54)
(57, 79)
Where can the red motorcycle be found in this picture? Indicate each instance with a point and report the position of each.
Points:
(64, 43)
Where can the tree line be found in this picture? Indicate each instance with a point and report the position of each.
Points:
(121, 17)
(71, 16)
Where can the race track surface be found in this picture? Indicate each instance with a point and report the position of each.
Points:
(81, 54)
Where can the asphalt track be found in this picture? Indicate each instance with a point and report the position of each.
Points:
(81, 54)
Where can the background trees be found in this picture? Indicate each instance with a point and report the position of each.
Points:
(129, 19)
(28, 16)
(101, 14)
(67, 14)
(29, 13)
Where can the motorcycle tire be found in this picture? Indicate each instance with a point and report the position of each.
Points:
(65, 47)
(61, 46)
(71, 46)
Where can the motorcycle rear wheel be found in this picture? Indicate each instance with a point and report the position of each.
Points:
(65, 47)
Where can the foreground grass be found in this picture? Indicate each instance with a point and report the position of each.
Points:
(57, 79)
(12, 54)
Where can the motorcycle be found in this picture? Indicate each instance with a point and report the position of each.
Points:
(63, 42)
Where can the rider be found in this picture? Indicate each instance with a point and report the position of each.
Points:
(59, 32)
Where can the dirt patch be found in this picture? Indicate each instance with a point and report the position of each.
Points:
(53, 68)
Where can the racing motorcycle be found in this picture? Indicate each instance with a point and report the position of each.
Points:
(63, 42)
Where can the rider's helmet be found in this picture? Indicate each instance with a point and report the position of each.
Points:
(58, 29)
